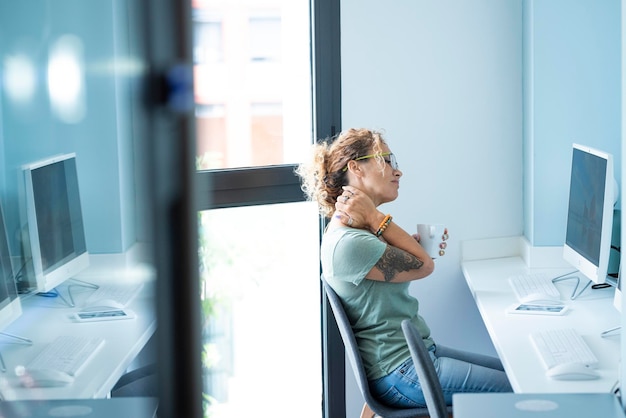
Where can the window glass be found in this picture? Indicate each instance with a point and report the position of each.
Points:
(261, 300)
(208, 47)
(252, 82)
(259, 265)
(211, 136)
(265, 38)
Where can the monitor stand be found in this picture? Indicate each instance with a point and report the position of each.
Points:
(69, 301)
(572, 276)
(611, 331)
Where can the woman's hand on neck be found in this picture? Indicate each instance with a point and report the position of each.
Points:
(354, 208)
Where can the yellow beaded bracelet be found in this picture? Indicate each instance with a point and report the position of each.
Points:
(383, 225)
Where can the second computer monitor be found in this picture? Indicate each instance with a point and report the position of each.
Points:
(592, 195)
(55, 221)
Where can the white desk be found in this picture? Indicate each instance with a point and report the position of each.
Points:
(554, 405)
(45, 318)
(590, 314)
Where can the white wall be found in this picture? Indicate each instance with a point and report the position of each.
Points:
(444, 80)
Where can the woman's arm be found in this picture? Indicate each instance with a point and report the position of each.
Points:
(404, 259)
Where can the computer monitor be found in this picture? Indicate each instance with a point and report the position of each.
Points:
(56, 232)
(10, 304)
(592, 195)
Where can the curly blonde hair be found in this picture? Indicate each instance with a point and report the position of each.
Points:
(324, 174)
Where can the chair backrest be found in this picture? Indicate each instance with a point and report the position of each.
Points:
(354, 356)
(431, 387)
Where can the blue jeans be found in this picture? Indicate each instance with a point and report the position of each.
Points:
(458, 372)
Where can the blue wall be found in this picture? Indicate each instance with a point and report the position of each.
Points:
(102, 139)
(572, 84)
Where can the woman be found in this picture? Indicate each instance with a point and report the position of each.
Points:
(370, 261)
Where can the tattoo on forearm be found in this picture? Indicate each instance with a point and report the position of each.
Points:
(395, 260)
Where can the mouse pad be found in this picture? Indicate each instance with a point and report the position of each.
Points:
(81, 408)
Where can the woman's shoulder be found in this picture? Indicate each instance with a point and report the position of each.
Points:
(339, 231)
(342, 236)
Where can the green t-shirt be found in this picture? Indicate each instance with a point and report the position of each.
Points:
(375, 309)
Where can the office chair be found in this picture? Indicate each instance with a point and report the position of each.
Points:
(425, 372)
(373, 407)
(141, 382)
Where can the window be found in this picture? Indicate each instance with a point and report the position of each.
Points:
(265, 38)
(254, 105)
(260, 296)
(267, 142)
(255, 109)
(211, 136)
(259, 247)
(208, 47)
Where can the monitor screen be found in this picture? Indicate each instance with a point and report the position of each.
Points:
(55, 221)
(590, 212)
(10, 304)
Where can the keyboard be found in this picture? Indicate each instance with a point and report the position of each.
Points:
(120, 293)
(560, 346)
(538, 283)
(66, 353)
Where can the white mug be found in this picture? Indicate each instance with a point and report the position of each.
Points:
(433, 238)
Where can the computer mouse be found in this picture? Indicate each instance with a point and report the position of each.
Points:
(540, 299)
(45, 378)
(102, 305)
(572, 371)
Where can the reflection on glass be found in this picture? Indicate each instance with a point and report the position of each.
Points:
(19, 78)
(260, 292)
(66, 84)
(252, 82)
